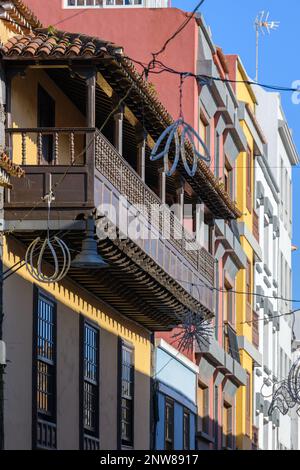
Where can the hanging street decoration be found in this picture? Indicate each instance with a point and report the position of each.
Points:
(56, 247)
(286, 394)
(180, 133)
(41, 248)
(194, 328)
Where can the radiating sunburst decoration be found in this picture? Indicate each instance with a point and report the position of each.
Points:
(179, 133)
(286, 395)
(194, 327)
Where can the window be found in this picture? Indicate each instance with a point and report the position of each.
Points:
(267, 243)
(249, 180)
(169, 424)
(248, 405)
(231, 343)
(186, 430)
(203, 406)
(228, 303)
(228, 183)
(204, 132)
(46, 358)
(227, 426)
(90, 385)
(249, 291)
(102, 3)
(217, 154)
(216, 416)
(127, 394)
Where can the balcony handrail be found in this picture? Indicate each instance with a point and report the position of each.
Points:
(50, 130)
(200, 258)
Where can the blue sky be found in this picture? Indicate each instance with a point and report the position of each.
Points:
(231, 22)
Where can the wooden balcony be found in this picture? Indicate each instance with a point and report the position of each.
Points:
(84, 170)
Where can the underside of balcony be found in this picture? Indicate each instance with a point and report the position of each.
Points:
(132, 283)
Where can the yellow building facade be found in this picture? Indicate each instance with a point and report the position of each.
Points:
(245, 177)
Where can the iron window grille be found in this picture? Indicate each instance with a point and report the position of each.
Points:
(90, 378)
(127, 395)
(169, 424)
(46, 358)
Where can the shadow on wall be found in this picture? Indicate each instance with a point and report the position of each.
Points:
(19, 378)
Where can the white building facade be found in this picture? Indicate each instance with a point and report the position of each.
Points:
(273, 275)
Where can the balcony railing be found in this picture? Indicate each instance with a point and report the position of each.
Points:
(46, 435)
(48, 145)
(128, 183)
(256, 225)
(255, 330)
(86, 170)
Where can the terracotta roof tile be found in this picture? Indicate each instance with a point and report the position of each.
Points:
(54, 44)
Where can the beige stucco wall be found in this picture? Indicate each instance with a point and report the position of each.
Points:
(71, 302)
(24, 114)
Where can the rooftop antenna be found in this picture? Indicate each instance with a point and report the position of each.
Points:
(262, 24)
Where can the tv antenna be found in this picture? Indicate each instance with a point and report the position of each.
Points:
(262, 25)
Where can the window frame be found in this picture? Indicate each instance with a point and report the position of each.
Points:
(229, 303)
(248, 404)
(37, 415)
(84, 430)
(122, 443)
(169, 403)
(186, 431)
(227, 426)
(228, 177)
(204, 409)
(249, 167)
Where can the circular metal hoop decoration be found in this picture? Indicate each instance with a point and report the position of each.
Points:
(180, 132)
(60, 269)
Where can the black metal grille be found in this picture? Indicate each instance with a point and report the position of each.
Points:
(127, 390)
(90, 378)
(46, 356)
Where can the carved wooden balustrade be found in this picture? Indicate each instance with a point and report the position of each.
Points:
(128, 183)
(75, 162)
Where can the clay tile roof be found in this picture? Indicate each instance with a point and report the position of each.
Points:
(56, 44)
(44, 44)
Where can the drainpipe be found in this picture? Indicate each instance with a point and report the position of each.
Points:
(2, 344)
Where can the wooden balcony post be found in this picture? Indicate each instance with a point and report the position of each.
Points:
(141, 153)
(162, 184)
(118, 134)
(199, 226)
(180, 200)
(91, 99)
